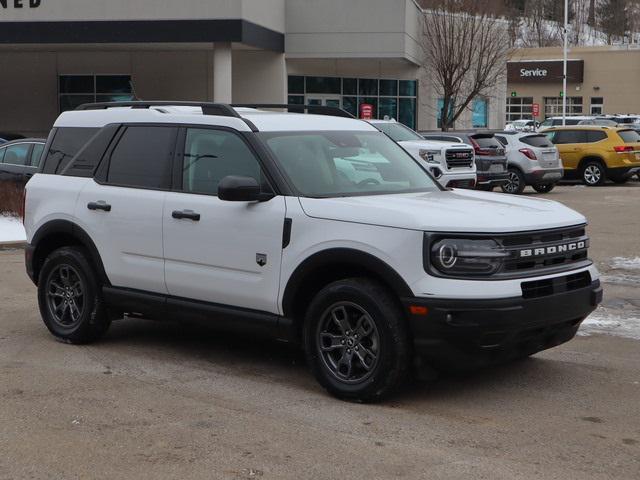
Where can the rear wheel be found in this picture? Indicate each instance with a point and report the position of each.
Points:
(544, 188)
(356, 340)
(516, 182)
(593, 173)
(69, 297)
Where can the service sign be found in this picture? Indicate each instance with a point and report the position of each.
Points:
(18, 4)
(544, 71)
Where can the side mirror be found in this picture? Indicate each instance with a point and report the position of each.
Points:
(241, 189)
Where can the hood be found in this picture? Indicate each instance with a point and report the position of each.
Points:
(431, 145)
(446, 211)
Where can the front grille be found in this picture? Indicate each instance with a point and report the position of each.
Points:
(554, 250)
(551, 286)
(459, 158)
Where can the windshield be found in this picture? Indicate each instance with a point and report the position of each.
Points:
(398, 132)
(338, 164)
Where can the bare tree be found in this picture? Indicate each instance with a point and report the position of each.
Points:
(466, 49)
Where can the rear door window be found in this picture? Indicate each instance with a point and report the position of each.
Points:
(540, 141)
(596, 136)
(563, 137)
(143, 158)
(36, 154)
(67, 142)
(17, 154)
(629, 136)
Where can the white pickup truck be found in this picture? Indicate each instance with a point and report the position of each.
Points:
(314, 229)
(452, 164)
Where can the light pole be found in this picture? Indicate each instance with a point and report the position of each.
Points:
(564, 63)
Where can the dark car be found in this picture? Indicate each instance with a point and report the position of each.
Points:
(20, 160)
(491, 159)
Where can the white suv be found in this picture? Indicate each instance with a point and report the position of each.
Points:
(313, 229)
(452, 164)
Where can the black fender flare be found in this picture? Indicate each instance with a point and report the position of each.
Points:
(343, 256)
(69, 229)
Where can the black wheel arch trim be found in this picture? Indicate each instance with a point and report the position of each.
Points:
(68, 228)
(343, 256)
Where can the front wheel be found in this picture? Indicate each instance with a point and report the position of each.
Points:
(516, 182)
(356, 340)
(544, 188)
(593, 173)
(69, 297)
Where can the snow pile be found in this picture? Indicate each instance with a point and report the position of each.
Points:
(611, 324)
(11, 230)
(625, 263)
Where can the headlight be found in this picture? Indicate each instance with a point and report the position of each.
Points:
(467, 257)
(429, 156)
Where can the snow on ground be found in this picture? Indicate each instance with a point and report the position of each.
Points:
(606, 323)
(11, 230)
(624, 263)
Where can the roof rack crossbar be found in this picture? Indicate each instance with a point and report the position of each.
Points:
(297, 108)
(208, 108)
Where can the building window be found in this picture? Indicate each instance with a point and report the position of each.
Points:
(439, 112)
(519, 108)
(597, 106)
(553, 106)
(390, 98)
(479, 118)
(74, 90)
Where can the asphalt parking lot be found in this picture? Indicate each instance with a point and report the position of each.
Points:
(158, 400)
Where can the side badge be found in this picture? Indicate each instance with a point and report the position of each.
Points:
(261, 259)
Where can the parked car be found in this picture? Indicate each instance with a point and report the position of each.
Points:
(248, 220)
(8, 136)
(451, 163)
(522, 126)
(594, 154)
(20, 160)
(557, 121)
(602, 122)
(491, 161)
(532, 160)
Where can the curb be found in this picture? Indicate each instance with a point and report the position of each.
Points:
(12, 245)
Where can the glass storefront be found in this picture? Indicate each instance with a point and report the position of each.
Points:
(74, 90)
(390, 98)
(519, 108)
(553, 106)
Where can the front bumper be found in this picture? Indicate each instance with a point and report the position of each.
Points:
(544, 177)
(465, 334)
(492, 179)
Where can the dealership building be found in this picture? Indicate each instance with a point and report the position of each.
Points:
(57, 54)
(600, 80)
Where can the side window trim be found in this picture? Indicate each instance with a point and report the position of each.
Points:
(178, 165)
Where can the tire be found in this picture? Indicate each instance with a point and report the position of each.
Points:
(516, 183)
(593, 173)
(67, 279)
(544, 188)
(360, 314)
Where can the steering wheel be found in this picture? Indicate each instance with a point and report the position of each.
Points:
(368, 181)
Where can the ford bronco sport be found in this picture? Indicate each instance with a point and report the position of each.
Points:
(314, 229)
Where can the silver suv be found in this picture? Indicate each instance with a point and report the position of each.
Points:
(532, 160)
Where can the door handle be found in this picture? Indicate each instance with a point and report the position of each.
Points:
(101, 205)
(186, 214)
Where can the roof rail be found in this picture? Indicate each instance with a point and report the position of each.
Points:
(208, 108)
(296, 108)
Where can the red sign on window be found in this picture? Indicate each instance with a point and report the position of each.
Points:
(535, 109)
(366, 111)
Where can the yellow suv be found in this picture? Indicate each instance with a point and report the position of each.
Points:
(594, 153)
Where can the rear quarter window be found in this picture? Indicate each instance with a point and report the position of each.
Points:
(67, 142)
(540, 141)
(629, 136)
(596, 136)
